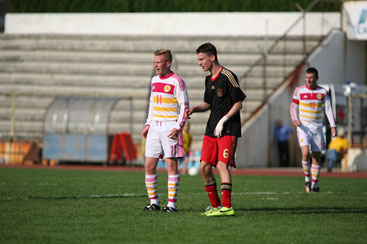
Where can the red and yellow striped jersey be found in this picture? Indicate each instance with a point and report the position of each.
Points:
(168, 100)
(308, 103)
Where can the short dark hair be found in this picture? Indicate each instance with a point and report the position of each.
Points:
(209, 49)
(313, 71)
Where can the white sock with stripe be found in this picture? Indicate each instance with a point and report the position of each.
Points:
(306, 170)
(315, 172)
(151, 183)
(173, 184)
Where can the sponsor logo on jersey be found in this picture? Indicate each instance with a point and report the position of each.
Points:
(219, 92)
(213, 88)
(311, 96)
(163, 88)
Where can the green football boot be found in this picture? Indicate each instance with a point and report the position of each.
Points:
(209, 210)
(222, 212)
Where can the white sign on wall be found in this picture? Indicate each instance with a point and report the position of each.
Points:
(231, 24)
(355, 19)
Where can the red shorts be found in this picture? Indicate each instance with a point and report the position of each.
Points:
(219, 149)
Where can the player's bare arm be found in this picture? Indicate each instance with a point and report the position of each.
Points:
(144, 133)
(174, 133)
(203, 107)
(297, 123)
(333, 132)
(234, 110)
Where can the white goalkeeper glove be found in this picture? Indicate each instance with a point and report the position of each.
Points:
(219, 128)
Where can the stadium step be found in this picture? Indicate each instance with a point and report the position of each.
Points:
(146, 43)
(38, 68)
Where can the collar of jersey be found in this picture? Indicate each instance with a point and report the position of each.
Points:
(166, 77)
(213, 79)
(309, 88)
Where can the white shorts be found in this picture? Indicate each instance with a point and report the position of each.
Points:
(313, 136)
(159, 144)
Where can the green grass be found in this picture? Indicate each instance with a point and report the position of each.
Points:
(65, 206)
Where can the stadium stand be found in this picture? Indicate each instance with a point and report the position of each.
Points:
(36, 68)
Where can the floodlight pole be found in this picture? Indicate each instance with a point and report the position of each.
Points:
(350, 118)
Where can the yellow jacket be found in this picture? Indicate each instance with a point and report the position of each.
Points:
(187, 139)
(338, 144)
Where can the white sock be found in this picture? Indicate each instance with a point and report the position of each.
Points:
(173, 184)
(151, 183)
(306, 170)
(315, 172)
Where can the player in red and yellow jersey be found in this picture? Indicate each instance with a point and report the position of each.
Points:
(306, 114)
(163, 129)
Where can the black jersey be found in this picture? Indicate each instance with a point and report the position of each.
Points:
(221, 93)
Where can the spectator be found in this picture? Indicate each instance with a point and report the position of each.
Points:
(281, 134)
(338, 147)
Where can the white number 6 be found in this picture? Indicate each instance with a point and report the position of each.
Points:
(225, 153)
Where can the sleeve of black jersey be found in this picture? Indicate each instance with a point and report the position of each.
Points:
(237, 94)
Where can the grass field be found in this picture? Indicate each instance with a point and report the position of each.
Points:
(73, 206)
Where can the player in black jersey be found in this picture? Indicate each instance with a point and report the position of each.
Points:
(223, 97)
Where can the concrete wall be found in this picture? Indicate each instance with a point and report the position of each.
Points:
(356, 160)
(236, 24)
(256, 147)
(338, 63)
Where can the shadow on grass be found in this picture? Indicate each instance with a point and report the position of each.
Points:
(85, 197)
(303, 210)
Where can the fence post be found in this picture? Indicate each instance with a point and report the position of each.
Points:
(265, 57)
(131, 99)
(12, 117)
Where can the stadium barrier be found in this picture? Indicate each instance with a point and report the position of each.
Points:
(123, 149)
(19, 152)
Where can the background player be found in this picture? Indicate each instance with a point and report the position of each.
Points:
(163, 129)
(223, 97)
(306, 114)
(187, 139)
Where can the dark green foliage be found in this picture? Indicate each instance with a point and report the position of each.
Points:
(75, 6)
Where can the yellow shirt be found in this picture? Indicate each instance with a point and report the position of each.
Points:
(187, 139)
(338, 144)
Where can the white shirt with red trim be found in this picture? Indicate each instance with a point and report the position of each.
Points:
(168, 100)
(307, 106)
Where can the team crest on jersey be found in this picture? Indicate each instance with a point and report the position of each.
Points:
(167, 88)
(319, 96)
(313, 105)
(219, 92)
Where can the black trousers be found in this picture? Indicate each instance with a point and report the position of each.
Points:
(283, 150)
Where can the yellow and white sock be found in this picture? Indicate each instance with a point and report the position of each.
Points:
(306, 170)
(173, 185)
(315, 172)
(151, 183)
